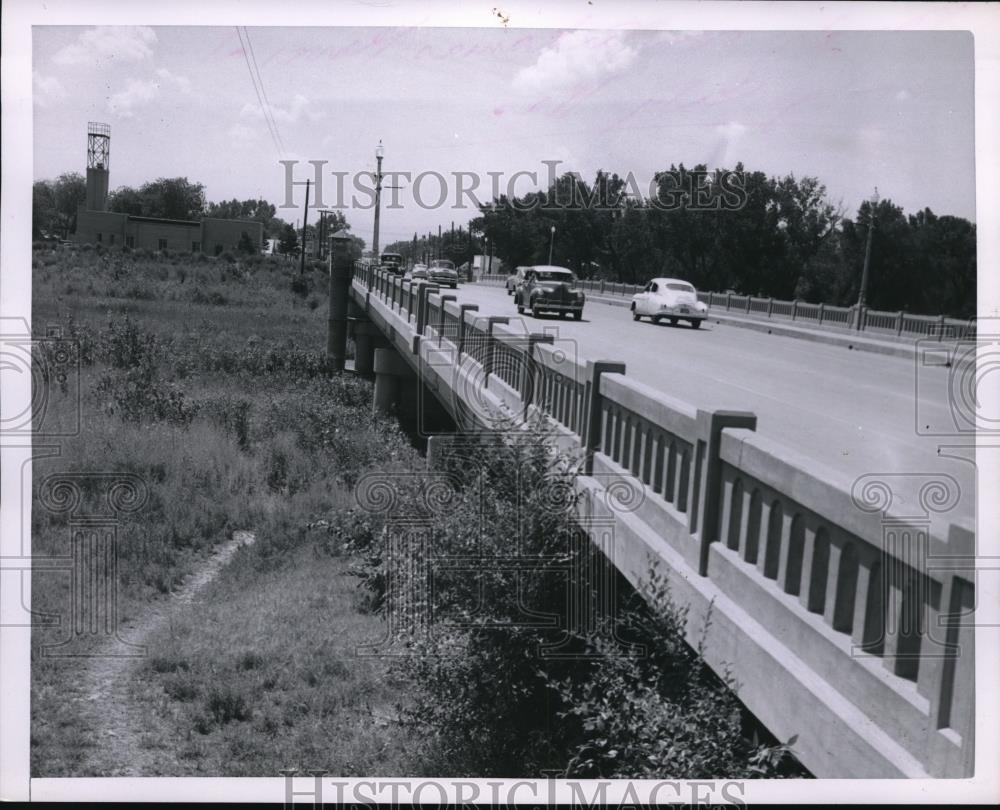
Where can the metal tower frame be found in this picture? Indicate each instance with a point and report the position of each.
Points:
(98, 145)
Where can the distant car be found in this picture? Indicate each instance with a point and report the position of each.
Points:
(393, 262)
(442, 271)
(670, 298)
(515, 278)
(547, 288)
(419, 272)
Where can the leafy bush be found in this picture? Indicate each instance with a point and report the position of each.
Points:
(488, 700)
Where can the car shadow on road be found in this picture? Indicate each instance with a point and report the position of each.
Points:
(704, 325)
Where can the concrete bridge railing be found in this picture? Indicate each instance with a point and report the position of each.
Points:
(845, 622)
(872, 320)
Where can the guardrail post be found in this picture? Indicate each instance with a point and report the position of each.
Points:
(770, 306)
(491, 344)
(729, 297)
(822, 307)
(940, 328)
(749, 303)
(795, 308)
(441, 317)
(526, 385)
(602, 285)
(463, 308)
(899, 323)
(424, 291)
(703, 516)
(591, 433)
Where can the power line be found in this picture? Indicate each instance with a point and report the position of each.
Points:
(263, 90)
(260, 102)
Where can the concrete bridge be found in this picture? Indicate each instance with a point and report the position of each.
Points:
(841, 606)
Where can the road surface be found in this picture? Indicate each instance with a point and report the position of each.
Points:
(856, 412)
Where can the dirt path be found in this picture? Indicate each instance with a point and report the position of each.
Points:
(128, 733)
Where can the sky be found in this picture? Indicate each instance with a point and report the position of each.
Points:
(858, 110)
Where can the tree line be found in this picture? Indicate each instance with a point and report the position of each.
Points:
(785, 239)
(55, 204)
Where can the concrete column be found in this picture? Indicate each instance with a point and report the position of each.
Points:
(367, 339)
(390, 370)
(592, 429)
(341, 269)
(438, 449)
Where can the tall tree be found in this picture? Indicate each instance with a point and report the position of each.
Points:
(69, 192)
(288, 244)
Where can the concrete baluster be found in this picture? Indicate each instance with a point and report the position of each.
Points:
(704, 518)
(595, 425)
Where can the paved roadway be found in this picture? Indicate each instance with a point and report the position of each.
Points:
(854, 412)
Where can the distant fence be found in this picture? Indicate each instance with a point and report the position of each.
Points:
(872, 320)
(860, 641)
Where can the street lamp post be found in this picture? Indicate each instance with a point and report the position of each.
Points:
(552, 239)
(859, 316)
(379, 153)
(489, 254)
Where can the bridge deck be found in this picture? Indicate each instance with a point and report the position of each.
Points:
(858, 414)
(806, 530)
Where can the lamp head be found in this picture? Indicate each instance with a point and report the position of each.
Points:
(379, 150)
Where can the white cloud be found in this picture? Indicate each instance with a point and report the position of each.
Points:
(903, 95)
(732, 130)
(300, 107)
(47, 89)
(242, 135)
(136, 93)
(577, 56)
(675, 37)
(139, 92)
(125, 43)
(730, 137)
(181, 83)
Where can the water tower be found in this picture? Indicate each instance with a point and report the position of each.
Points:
(98, 156)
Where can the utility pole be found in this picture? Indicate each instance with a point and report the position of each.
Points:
(305, 217)
(864, 270)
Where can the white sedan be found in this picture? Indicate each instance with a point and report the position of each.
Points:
(669, 298)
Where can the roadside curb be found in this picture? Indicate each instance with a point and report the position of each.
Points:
(852, 342)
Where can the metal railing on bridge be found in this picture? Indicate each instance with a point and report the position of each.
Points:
(872, 320)
(865, 612)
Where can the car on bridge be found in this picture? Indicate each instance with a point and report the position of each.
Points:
(547, 288)
(442, 271)
(393, 262)
(419, 272)
(671, 298)
(515, 278)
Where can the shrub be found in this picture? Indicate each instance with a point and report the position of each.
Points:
(488, 698)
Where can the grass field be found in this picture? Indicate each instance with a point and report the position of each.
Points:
(203, 383)
(206, 381)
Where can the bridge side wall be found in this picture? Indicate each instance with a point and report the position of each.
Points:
(844, 624)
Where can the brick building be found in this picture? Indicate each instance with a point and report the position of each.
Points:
(98, 226)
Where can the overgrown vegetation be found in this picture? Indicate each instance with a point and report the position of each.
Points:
(502, 687)
(227, 415)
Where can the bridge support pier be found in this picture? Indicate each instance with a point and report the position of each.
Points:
(341, 270)
(438, 449)
(392, 376)
(367, 339)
